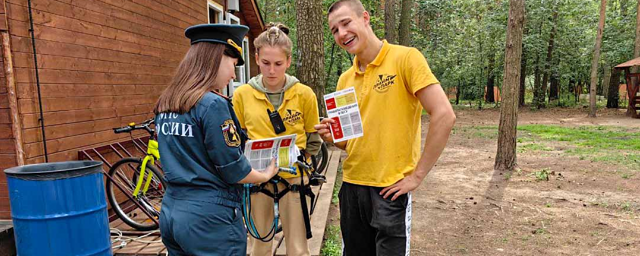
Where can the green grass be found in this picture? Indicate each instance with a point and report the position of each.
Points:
(596, 143)
(532, 147)
(332, 245)
(608, 144)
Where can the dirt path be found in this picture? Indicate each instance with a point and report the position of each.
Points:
(464, 207)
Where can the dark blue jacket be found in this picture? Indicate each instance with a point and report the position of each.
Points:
(201, 152)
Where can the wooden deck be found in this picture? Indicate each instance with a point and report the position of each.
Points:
(151, 245)
(7, 242)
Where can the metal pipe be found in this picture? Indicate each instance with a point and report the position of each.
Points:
(35, 61)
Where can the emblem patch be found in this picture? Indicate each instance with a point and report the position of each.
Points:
(385, 82)
(230, 133)
(292, 117)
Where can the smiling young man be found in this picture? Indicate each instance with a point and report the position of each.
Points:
(393, 84)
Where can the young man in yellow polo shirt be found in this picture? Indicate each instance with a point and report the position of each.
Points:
(393, 84)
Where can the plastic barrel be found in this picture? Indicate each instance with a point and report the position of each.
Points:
(59, 209)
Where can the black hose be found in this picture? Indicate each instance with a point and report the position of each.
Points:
(35, 61)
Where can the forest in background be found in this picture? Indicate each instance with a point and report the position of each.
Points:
(464, 40)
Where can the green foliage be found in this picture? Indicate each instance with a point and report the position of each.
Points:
(458, 37)
(542, 175)
(332, 246)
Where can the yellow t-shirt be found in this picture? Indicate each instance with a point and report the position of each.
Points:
(390, 147)
(299, 112)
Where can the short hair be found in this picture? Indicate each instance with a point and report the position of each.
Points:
(354, 5)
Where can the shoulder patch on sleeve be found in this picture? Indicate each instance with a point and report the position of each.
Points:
(230, 133)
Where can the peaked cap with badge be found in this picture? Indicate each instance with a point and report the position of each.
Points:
(230, 35)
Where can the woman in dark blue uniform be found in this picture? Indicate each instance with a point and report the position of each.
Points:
(201, 148)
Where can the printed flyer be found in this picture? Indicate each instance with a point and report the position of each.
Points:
(283, 148)
(342, 107)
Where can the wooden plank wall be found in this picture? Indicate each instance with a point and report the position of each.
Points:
(7, 143)
(102, 64)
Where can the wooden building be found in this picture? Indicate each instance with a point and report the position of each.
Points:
(100, 64)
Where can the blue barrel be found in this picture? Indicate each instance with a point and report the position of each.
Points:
(59, 209)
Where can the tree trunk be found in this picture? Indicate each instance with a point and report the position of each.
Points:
(553, 87)
(538, 93)
(523, 76)
(405, 23)
(636, 48)
(390, 25)
(605, 81)
(491, 79)
(576, 95)
(594, 63)
(311, 47)
(458, 89)
(547, 63)
(507, 131)
(613, 98)
(636, 54)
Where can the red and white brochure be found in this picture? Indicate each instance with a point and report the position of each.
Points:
(283, 148)
(342, 107)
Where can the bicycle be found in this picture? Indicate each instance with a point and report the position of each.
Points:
(141, 180)
(319, 161)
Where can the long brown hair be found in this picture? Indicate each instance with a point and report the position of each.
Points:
(194, 77)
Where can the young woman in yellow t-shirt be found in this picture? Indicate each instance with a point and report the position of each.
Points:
(295, 103)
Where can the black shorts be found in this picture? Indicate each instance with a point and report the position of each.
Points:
(372, 225)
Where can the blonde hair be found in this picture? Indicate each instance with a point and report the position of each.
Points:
(276, 34)
(194, 77)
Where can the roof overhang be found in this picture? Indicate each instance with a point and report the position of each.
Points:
(251, 13)
(631, 63)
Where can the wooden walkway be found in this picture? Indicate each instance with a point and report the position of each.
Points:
(152, 245)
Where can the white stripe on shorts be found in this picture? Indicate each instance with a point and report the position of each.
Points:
(407, 224)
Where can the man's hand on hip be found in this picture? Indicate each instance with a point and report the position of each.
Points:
(401, 187)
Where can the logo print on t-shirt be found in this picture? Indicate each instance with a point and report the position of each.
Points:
(292, 117)
(384, 82)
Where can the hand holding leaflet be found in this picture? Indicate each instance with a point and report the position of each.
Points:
(283, 149)
(342, 107)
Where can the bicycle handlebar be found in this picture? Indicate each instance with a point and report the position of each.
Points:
(133, 126)
(122, 129)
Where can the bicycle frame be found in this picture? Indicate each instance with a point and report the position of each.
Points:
(152, 154)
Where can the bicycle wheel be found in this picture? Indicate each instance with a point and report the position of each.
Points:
(320, 160)
(125, 173)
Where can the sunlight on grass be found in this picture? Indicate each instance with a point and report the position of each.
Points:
(595, 143)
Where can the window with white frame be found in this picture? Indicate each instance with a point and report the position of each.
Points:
(242, 72)
(215, 13)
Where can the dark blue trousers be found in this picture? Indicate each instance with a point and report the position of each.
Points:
(201, 228)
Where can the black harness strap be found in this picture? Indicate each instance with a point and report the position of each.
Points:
(304, 190)
(305, 208)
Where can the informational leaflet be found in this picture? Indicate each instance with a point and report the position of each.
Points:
(342, 107)
(283, 148)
